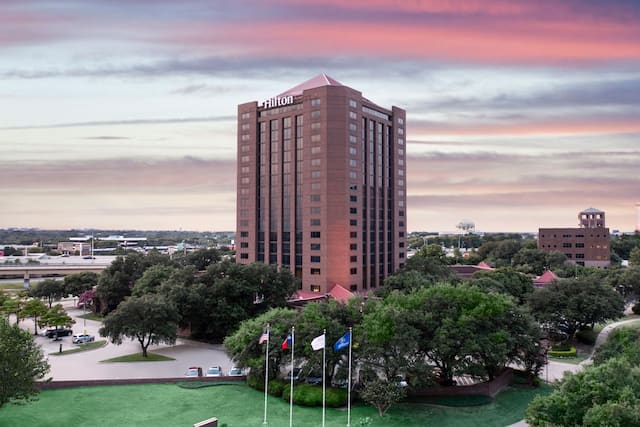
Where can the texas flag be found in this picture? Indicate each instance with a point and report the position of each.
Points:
(287, 343)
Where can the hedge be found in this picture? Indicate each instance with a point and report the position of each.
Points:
(311, 395)
(572, 352)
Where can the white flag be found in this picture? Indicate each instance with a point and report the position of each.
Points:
(318, 343)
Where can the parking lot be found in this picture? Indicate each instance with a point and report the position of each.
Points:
(86, 364)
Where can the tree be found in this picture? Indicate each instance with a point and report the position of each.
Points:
(57, 316)
(151, 279)
(382, 394)
(431, 261)
(622, 342)
(201, 259)
(50, 289)
(574, 304)
(12, 306)
(21, 363)
(634, 257)
(150, 319)
(75, 284)
(35, 309)
(605, 395)
(504, 280)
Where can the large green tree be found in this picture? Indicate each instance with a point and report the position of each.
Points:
(574, 304)
(600, 396)
(149, 319)
(50, 289)
(504, 280)
(57, 317)
(75, 284)
(21, 364)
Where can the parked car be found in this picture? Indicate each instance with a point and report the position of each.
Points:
(214, 371)
(193, 371)
(314, 378)
(236, 372)
(82, 338)
(60, 332)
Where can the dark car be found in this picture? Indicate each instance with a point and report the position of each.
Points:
(60, 332)
(314, 378)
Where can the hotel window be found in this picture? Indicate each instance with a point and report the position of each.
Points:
(353, 127)
(353, 175)
(400, 131)
(579, 245)
(315, 271)
(353, 271)
(315, 126)
(315, 234)
(315, 186)
(245, 148)
(353, 234)
(401, 172)
(315, 114)
(244, 169)
(315, 138)
(401, 234)
(315, 197)
(246, 126)
(353, 222)
(315, 102)
(353, 163)
(315, 162)
(353, 198)
(244, 159)
(246, 116)
(244, 256)
(244, 234)
(401, 203)
(353, 139)
(401, 182)
(353, 151)
(353, 258)
(315, 288)
(400, 162)
(353, 115)
(315, 258)
(246, 137)
(353, 246)
(400, 151)
(315, 221)
(244, 244)
(400, 213)
(400, 141)
(581, 256)
(244, 180)
(400, 121)
(315, 246)
(244, 223)
(353, 210)
(353, 103)
(315, 210)
(401, 255)
(315, 174)
(316, 150)
(566, 245)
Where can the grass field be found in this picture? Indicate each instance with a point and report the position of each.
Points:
(169, 405)
(81, 347)
(137, 357)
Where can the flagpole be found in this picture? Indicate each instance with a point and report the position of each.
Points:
(293, 339)
(324, 385)
(349, 382)
(266, 375)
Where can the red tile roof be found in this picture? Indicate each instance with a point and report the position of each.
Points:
(317, 81)
(340, 294)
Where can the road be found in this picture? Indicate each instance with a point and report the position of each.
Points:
(87, 364)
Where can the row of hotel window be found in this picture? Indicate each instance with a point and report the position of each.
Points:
(578, 236)
(578, 245)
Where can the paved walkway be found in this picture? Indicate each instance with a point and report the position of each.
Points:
(86, 364)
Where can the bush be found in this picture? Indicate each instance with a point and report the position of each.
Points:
(255, 380)
(587, 336)
(636, 308)
(572, 352)
(277, 386)
(311, 395)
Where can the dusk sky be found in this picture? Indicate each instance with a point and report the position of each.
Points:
(122, 114)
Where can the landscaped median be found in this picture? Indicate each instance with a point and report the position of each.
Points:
(138, 357)
(81, 347)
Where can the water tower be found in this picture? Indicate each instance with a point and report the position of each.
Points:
(465, 226)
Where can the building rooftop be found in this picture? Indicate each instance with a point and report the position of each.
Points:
(317, 81)
(592, 210)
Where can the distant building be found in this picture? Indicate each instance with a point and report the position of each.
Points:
(322, 186)
(72, 248)
(587, 245)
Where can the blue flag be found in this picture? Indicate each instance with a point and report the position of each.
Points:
(343, 342)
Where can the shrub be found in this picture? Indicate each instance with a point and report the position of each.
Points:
(277, 386)
(311, 395)
(254, 380)
(572, 352)
(636, 308)
(587, 336)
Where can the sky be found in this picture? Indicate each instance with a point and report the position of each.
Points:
(121, 114)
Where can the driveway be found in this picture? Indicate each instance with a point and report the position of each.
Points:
(87, 364)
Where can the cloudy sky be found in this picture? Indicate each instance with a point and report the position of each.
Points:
(122, 114)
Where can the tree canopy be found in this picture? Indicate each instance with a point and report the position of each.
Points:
(149, 319)
(21, 363)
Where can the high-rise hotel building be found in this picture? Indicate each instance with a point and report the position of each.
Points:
(322, 186)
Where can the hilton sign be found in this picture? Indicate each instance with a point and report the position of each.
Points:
(277, 101)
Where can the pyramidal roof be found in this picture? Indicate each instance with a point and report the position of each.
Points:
(592, 210)
(317, 81)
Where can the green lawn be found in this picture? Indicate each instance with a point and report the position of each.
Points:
(12, 286)
(137, 357)
(92, 316)
(169, 405)
(81, 347)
